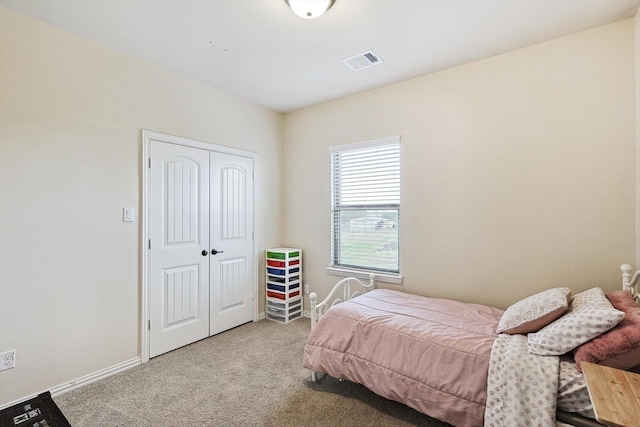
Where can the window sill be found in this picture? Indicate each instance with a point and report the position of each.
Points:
(364, 274)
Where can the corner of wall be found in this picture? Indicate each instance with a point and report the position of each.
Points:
(637, 136)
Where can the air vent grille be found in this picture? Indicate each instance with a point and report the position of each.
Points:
(363, 60)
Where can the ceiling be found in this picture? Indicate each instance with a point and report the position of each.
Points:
(261, 51)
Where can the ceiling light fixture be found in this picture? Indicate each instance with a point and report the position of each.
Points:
(309, 9)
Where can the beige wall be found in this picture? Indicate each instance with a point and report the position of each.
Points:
(71, 114)
(517, 171)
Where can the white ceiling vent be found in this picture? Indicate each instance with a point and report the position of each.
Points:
(363, 60)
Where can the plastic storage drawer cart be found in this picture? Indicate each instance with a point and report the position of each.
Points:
(284, 284)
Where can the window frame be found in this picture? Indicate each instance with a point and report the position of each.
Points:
(343, 270)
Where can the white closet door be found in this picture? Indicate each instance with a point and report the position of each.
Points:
(231, 296)
(179, 233)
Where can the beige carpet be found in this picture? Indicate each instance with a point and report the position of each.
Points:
(249, 376)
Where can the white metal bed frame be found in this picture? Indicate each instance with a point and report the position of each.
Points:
(630, 283)
(344, 290)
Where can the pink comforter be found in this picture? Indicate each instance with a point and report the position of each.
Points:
(430, 354)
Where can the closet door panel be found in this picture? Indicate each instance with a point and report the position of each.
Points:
(179, 232)
(232, 239)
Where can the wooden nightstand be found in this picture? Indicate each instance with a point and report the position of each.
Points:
(615, 395)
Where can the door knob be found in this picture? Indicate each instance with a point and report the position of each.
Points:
(213, 252)
(205, 253)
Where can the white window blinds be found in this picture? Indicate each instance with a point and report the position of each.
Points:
(365, 184)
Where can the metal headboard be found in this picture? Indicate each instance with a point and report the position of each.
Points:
(629, 282)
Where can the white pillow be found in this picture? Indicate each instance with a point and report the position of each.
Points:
(590, 314)
(535, 312)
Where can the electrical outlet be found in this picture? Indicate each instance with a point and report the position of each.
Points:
(7, 360)
(306, 288)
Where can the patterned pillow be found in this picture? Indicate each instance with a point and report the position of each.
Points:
(590, 315)
(619, 347)
(534, 312)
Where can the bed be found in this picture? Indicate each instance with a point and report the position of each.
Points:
(469, 364)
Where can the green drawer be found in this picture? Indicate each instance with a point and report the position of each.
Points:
(276, 255)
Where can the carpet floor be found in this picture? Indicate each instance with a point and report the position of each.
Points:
(249, 376)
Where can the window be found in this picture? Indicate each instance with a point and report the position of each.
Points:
(365, 206)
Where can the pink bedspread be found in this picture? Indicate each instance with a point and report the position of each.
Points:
(430, 354)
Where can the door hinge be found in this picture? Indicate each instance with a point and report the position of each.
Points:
(149, 243)
(149, 162)
(253, 236)
(149, 325)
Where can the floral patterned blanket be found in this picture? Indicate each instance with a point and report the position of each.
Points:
(522, 388)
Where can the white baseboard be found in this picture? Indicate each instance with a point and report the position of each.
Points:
(96, 376)
(82, 381)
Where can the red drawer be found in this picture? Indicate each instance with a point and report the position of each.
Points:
(273, 263)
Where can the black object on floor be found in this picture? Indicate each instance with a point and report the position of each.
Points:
(41, 411)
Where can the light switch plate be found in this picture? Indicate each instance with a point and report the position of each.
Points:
(127, 214)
